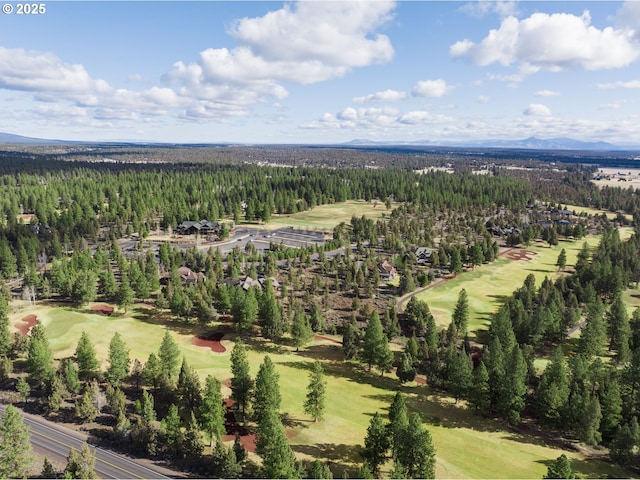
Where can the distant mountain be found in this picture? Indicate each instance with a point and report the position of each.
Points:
(531, 143)
(19, 139)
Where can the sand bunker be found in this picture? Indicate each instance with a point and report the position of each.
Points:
(26, 324)
(211, 341)
(104, 309)
(521, 254)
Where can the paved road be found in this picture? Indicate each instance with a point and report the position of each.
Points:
(55, 442)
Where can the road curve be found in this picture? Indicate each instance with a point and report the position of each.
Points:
(55, 442)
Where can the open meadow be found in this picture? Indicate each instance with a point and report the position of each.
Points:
(353, 396)
(325, 217)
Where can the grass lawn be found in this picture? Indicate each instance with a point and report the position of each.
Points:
(490, 284)
(325, 217)
(468, 446)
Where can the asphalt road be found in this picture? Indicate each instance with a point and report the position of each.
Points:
(55, 442)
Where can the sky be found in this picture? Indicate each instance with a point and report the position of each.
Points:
(317, 71)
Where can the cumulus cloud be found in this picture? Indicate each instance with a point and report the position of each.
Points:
(431, 88)
(547, 93)
(483, 99)
(304, 43)
(377, 118)
(537, 109)
(384, 96)
(551, 42)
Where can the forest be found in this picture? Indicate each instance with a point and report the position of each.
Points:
(561, 358)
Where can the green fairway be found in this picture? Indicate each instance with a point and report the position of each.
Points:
(326, 217)
(353, 396)
(490, 284)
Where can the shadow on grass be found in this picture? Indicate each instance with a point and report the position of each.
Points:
(322, 352)
(345, 455)
(595, 467)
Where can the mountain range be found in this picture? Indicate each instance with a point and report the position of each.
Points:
(531, 143)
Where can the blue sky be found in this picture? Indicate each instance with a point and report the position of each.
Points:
(322, 71)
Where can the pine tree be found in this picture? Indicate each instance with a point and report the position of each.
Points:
(189, 391)
(398, 421)
(212, 411)
(461, 313)
(560, 468)
(171, 429)
(241, 382)
(460, 375)
(480, 397)
(39, 357)
(314, 405)
(86, 358)
(119, 360)
(416, 452)
(15, 445)
(619, 330)
(561, 263)
(350, 340)
(266, 391)
(552, 394)
(376, 444)
(125, 293)
(5, 330)
(169, 357)
(301, 332)
(270, 313)
(405, 371)
(81, 464)
(594, 333)
(376, 345)
(278, 460)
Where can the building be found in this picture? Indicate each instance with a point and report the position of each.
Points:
(202, 227)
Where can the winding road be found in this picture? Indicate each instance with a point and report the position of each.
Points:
(54, 441)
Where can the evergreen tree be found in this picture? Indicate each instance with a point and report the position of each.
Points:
(376, 444)
(461, 313)
(270, 313)
(594, 333)
(588, 429)
(47, 469)
(561, 263)
(320, 471)
(266, 391)
(552, 394)
(169, 357)
(460, 375)
(455, 265)
(125, 293)
(189, 391)
(171, 429)
(81, 464)
(416, 452)
(5, 330)
(86, 358)
(119, 360)
(15, 445)
(278, 460)
(560, 468)
(212, 411)
(39, 357)
(314, 405)
(618, 329)
(405, 371)
(301, 332)
(480, 397)
(376, 349)
(350, 340)
(241, 382)
(398, 421)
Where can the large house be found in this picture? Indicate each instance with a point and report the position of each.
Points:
(387, 271)
(202, 227)
(423, 255)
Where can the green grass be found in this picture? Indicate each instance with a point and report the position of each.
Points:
(326, 217)
(468, 446)
(491, 284)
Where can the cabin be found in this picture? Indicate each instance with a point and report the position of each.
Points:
(423, 255)
(388, 271)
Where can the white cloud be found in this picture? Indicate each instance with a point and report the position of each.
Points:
(483, 99)
(384, 96)
(481, 8)
(537, 109)
(547, 93)
(431, 88)
(320, 31)
(628, 84)
(377, 118)
(551, 42)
